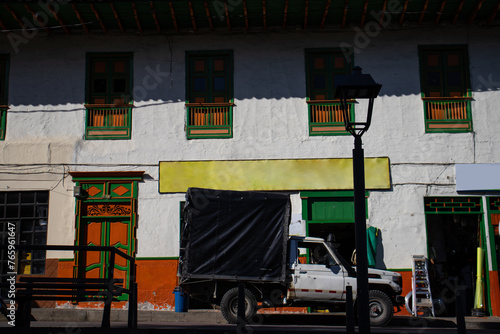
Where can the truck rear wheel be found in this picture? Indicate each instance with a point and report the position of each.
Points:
(229, 306)
(381, 308)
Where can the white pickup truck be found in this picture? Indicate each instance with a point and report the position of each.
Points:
(242, 237)
(319, 276)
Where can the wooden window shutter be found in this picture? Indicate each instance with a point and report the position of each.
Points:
(109, 79)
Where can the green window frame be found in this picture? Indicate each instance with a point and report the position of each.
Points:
(452, 205)
(327, 212)
(209, 94)
(472, 206)
(4, 76)
(109, 96)
(324, 111)
(494, 209)
(317, 207)
(494, 215)
(445, 88)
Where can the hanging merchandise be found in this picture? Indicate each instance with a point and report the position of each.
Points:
(371, 239)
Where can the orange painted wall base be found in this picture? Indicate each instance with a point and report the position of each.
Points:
(406, 275)
(495, 293)
(156, 280)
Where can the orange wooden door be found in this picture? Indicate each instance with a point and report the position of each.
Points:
(108, 224)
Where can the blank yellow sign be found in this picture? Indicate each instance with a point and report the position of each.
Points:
(267, 175)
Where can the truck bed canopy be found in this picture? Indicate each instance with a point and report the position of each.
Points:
(235, 235)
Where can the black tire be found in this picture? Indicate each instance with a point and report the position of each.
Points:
(381, 308)
(229, 306)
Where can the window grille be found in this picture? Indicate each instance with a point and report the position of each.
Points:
(26, 214)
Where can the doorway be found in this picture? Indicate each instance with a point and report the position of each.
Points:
(106, 215)
(331, 213)
(454, 232)
(344, 238)
(452, 248)
(106, 224)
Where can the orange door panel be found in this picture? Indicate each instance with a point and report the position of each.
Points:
(107, 223)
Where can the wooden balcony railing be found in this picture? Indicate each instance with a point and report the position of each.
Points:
(108, 122)
(448, 114)
(327, 117)
(209, 120)
(199, 116)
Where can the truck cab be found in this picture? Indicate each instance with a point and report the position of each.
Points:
(319, 275)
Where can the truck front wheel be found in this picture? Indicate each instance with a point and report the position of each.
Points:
(229, 306)
(381, 308)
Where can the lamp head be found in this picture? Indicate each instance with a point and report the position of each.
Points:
(356, 85)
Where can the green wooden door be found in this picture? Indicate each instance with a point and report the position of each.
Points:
(106, 216)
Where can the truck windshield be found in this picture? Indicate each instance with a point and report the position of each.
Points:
(315, 253)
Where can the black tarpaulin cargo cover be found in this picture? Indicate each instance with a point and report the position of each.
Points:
(235, 235)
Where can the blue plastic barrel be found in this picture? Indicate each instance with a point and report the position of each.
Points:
(181, 300)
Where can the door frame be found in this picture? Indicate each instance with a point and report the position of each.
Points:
(463, 205)
(105, 188)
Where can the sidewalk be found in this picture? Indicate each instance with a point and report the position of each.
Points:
(92, 317)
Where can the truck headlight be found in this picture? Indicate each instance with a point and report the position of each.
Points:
(398, 280)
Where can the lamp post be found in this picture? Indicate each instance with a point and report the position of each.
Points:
(350, 87)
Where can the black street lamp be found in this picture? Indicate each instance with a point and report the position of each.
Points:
(350, 87)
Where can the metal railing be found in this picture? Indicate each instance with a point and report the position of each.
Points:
(78, 282)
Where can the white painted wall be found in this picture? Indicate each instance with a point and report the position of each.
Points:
(46, 122)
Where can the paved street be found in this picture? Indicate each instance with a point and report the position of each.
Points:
(74, 321)
(187, 328)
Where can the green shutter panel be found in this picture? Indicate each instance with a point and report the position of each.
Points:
(454, 78)
(99, 81)
(220, 79)
(433, 74)
(318, 80)
(199, 81)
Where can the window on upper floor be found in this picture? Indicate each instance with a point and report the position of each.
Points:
(209, 94)
(4, 75)
(445, 85)
(108, 96)
(325, 112)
